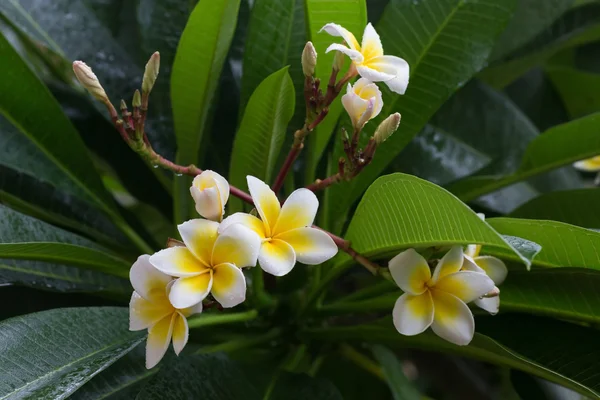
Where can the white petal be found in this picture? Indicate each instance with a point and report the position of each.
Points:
(465, 285)
(276, 257)
(265, 201)
(354, 105)
(229, 285)
(195, 309)
(589, 165)
(472, 250)
(452, 320)
(451, 262)
(208, 203)
(199, 235)
(159, 337)
(237, 245)
(249, 221)
(413, 314)
(312, 246)
(493, 267)
(394, 67)
(371, 43)
(338, 30)
(146, 279)
(220, 182)
(180, 333)
(410, 271)
(298, 211)
(187, 292)
(373, 75)
(367, 90)
(491, 305)
(177, 261)
(469, 265)
(353, 54)
(144, 313)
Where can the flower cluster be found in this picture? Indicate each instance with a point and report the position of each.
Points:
(363, 100)
(171, 284)
(439, 299)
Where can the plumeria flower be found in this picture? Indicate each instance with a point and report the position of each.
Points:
(151, 309)
(285, 231)
(362, 102)
(368, 57)
(210, 192)
(439, 301)
(210, 262)
(492, 267)
(588, 165)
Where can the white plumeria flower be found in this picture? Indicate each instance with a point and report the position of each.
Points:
(439, 301)
(210, 192)
(362, 102)
(368, 58)
(151, 309)
(285, 231)
(491, 266)
(211, 262)
(588, 165)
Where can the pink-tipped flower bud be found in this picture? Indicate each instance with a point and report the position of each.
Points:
(89, 80)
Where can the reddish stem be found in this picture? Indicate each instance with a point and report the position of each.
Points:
(287, 165)
(322, 184)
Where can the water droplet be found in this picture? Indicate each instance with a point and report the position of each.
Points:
(178, 174)
(155, 166)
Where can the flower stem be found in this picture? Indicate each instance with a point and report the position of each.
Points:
(353, 355)
(220, 319)
(322, 184)
(240, 344)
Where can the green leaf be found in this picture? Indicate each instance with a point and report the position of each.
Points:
(570, 206)
(576, 27)
(558, 146)
(66, 346)
(276, 38)
(563, 245)
(258, 142)
(530, 19)
(200, 57)
(578, 89)
(29, 105)
(26, 237)
(444, 50)
(352, 15)
(514, 341)
(401, 387)
(209, 377)
(400, 211)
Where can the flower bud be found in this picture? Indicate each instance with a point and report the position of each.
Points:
(387, 128)
(137, 99)
(338, 61)
(309, 59)
(357, 99)
(151, 72)
(210, 192)
(89, 80)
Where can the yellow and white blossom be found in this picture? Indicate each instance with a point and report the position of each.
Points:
(362, 102)
(210, 192)
(151, 309)
(211, 262)
(438, 300)
(285, 231)
(588, 165)
(368, 57)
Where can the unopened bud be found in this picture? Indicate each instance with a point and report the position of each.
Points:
(137, 99)
(387, 128)
(338, 61)
(151, 72)
(123, 105)
(89, 80)
(309, 59)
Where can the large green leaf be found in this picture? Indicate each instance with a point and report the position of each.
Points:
(26, 237)
(352, 15)
(558, 146)
(258, 142)
(49, 355)
(444, 49)
(210, 377)
(519, 342)
(570, 206)
(200, 56)
(576, 27)
(563, 245)
(401, 211)
(578, 89)
(531, 17)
